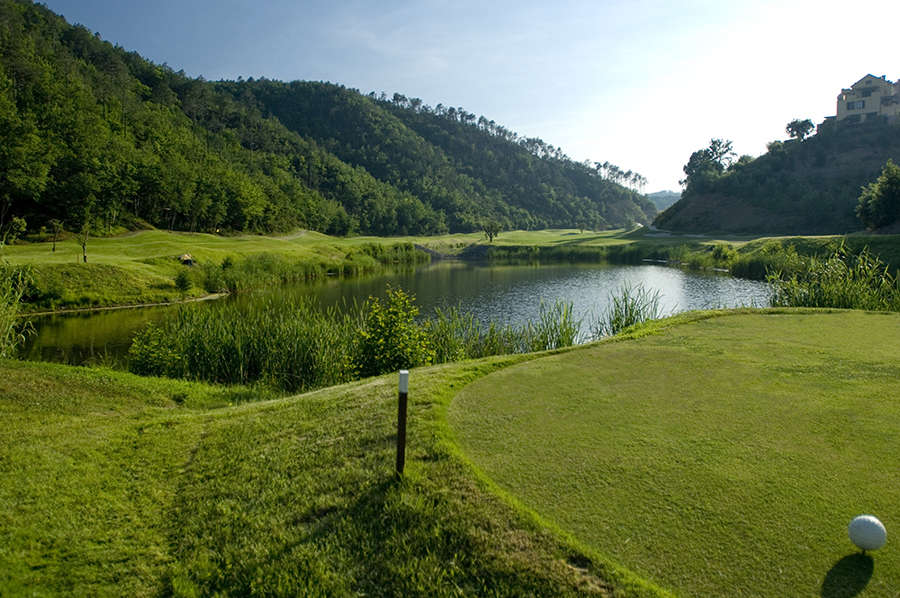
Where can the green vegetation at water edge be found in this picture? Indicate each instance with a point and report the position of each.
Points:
(842, 280)
(295, 345)
(144, 267)
(12, 328)
(722, 456)
(112, 484)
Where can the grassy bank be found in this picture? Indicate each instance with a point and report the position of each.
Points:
(143, 267)
(713, 455)
(724, 457)
(112, 484)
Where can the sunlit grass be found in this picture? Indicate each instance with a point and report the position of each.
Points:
(112, 485)
(723, 457)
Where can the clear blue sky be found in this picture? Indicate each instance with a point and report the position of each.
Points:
(640, 83)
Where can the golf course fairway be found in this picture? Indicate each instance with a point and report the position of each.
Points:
(713, 456)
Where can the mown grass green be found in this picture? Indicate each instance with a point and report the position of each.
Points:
(112, 484)
(721, 457)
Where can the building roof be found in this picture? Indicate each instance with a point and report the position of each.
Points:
(866, 79)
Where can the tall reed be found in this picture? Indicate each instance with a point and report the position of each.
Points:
(292, 345)
(629, 305)
(456, 335)
(296, 345)
(13, 282)
(842, 280)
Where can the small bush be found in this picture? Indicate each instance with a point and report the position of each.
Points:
(183, 282)
(290, 345)
(556, 327)
(390, 339)
(724, 254)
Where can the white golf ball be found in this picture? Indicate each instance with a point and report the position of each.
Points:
(867, 532)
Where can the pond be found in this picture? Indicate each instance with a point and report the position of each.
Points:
(504, 294)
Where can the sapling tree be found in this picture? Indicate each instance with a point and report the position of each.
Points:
(83, 234)
(491, 229)
(56, 225)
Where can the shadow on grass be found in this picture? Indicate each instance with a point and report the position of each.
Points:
(848, 577)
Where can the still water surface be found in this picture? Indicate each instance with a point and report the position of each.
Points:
(504, 294)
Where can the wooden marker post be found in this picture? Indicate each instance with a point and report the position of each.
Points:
(401, 421)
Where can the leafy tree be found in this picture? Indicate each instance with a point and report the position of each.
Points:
(85, 124)
(722, 152)
(12, 231)
(491, 229)
(879, 203)
(705, 165)
(799, 129)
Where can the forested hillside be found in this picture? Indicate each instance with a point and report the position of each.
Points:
(663, 199)
(796, 187)
(95, 138)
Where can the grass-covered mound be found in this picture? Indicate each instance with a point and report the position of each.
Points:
(116, 485)
(721, 457)
(147, 266)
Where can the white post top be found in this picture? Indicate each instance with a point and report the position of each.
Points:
(404, 381)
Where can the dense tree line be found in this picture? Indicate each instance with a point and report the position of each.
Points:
(806, 185)
(93, 138)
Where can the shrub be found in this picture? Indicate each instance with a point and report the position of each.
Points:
(724, 253)
(390, 339)
(295, 345)
(291, 345)
(183, 281)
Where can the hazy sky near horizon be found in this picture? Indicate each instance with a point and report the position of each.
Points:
(640, 83)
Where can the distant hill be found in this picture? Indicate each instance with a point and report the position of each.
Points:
(664, 199)
(100, 138)
(808, 187)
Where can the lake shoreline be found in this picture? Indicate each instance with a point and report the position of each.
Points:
(139, 269)
(72, 310)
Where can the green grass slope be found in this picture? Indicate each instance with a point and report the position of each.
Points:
(112, 485)
(141, 268)
(721, 457)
